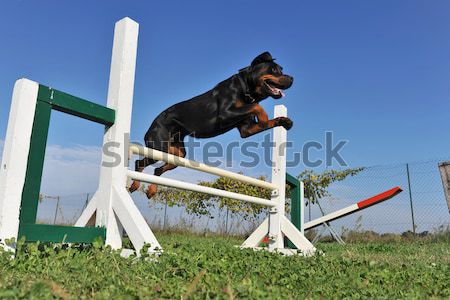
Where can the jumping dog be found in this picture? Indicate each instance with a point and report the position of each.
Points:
(233, 103)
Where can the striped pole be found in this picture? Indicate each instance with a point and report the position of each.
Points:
(354, 207)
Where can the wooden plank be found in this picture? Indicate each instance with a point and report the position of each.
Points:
(76, 106)
(279, 138)
(292, 181)
(15, 156)
(354, 208)
(38, 142)
(296, 204)
(379, 198)
(58, 234)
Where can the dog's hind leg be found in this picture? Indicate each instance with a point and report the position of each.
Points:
(139, 166)
(177, 150)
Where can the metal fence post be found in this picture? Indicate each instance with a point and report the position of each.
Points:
(309, 209)
(226, 222)
(87, 200)
(410, 199)
(56, 210)
(165, 215)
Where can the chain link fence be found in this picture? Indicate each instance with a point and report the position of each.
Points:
(420, 208)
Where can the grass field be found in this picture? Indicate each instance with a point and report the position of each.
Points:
(211, 267)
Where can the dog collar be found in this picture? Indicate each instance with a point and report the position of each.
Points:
(247, 93)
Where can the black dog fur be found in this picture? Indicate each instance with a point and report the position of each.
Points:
(233, 103)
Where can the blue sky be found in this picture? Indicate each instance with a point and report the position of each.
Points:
(376, 73)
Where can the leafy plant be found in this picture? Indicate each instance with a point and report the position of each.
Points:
(194, 267)
(316, 185)
(201, 204)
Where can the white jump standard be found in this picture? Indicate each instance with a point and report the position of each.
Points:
(112, 209)
(277, 225)
(112, 198)
(111, 206)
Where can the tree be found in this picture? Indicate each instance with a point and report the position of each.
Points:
(201, 204)
(316, 185)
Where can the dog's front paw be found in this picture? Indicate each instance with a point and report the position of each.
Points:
(285, 122)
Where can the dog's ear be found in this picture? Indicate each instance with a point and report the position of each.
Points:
(262, 58)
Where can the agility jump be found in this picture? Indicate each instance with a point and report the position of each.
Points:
(112, 208)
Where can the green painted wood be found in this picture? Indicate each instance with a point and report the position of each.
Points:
(296, 212)
(76, 106)
(57, 234)
(32, 185)
(49, 99)
(292, 181)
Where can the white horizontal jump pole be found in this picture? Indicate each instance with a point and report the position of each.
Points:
(183, 162)
(353, 208)
(197, 188)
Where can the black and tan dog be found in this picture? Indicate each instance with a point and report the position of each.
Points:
(233, 103)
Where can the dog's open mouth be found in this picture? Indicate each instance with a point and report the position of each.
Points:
(272, 87)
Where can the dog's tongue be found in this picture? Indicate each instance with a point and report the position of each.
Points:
(276, 90)
(279, 91)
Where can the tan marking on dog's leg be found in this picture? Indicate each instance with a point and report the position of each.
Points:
(263, 122)
(139, 166)
(153, 188)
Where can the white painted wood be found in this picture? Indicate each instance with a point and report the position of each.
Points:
(197, 188)
(120, 98)
(277, 226)
(183, 162)
(88, 212)
(132, 220)
(296, 237)
(15, 156)
(257, 236)
(279, 138)
(113, 206)
(332, 216)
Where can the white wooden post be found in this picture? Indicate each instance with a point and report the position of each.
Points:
(112, 203)
(15, 156)
(277, 225)
(279, 137)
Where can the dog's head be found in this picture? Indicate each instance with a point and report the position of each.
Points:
(266, 78)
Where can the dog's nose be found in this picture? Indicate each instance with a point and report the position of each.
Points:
(291, 79)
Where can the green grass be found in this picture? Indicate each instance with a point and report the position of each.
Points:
(211, 267)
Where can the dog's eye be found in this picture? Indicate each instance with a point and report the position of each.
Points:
(275, 70)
